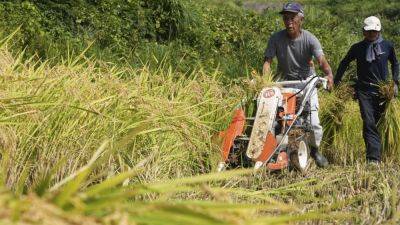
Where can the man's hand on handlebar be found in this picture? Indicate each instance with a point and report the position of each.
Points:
(330, 82)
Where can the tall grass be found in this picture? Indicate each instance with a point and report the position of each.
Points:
(88, 142)
(72, 134)
(63, 113)
(80, 144)
(342, 122)
(340, 117)
(389, 129)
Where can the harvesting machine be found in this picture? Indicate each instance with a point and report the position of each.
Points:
(277, 133)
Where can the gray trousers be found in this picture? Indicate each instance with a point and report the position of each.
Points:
(317, 132)
(313, 119)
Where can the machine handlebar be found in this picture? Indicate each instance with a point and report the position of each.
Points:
(320, 81)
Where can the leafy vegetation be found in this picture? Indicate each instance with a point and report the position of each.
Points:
(182, 33)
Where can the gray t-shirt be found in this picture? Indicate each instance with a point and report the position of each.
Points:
(294, 56)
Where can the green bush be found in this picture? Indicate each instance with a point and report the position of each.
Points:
(116, 24)
(213, 34)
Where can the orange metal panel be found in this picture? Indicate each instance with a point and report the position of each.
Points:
(290, 106)
(235, 129)
(290, 103)
(281, 163)
(269, 147)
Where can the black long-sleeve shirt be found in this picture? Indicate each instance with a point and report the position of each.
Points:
(370, 73)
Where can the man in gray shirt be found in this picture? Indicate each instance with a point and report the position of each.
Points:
(295, 49)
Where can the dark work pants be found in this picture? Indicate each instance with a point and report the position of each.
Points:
(371, 111)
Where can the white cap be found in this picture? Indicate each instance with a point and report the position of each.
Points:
(372, 23)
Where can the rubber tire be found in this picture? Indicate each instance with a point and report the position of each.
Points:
(300, 158)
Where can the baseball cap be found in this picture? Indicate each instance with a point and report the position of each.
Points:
(292, 7)
(372, 23)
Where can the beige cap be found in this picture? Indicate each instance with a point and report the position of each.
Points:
(372, 23)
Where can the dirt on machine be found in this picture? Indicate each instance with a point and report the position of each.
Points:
(276, 135)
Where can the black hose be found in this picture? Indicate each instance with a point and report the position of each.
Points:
(303, 87)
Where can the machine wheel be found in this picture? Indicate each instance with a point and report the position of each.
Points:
(300, 158)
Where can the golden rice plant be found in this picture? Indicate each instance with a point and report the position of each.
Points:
(389, 124)
(192, 200)
(342, 124)
(386, 90)
(157, 126)
(389, 127)
(340, 118)
(83, 142)
(61, 113)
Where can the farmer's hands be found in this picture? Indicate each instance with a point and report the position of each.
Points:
(330, 82)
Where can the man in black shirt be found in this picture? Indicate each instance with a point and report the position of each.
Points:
(372, 55)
